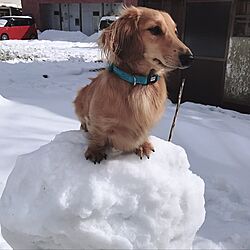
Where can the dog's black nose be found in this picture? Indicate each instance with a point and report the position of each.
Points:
(186, 59)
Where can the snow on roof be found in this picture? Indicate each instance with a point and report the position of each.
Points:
(109, 18)
(16, 17)
(11, 3)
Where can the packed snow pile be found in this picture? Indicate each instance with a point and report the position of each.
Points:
(93, 38)
(70, 36)
(59, 35)
(55, 199)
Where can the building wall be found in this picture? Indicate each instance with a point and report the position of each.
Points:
(31, 7)
(39, 9)
(51, 17)
(70, 14)
(237, 82)
(75, 16)
(89, 21)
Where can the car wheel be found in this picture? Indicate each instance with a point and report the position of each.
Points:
(4, 37)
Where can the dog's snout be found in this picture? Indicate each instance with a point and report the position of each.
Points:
(186, 59)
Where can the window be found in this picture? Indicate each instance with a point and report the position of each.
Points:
(21, 22)
(18, 22)
(242, 19)
(105, 23)
(56, 13)
(96, 13)
(77, 21)
(3, 22)
(4, 12)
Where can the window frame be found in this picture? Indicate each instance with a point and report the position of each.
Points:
(242, 18)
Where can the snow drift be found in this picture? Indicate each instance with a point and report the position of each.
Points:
(59, 35)
(54, 199)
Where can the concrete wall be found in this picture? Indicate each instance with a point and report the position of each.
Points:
(33, 7)
(83, 17)
(90, 22)
(69, 13)
(237, 82)
(112, 8)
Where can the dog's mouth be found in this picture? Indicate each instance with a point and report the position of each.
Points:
(163, 65)
(159, 62)
(183, 67)
(169, 66)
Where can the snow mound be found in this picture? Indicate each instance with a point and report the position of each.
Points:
(59, 35)
(4, 101)
(55, 199)
(93, 38)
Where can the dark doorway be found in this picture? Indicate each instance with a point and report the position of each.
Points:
(204, 25)
(206, 34)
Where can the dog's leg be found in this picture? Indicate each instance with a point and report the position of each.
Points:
(84, 127)
(95, 154)
(96, 149)
(144, 150)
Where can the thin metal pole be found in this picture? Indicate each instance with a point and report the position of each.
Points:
(176, 110)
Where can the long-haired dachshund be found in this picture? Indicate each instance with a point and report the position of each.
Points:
(121, 105)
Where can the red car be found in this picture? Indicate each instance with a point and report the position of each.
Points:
(17, 27)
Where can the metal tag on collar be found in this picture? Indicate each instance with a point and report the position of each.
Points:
(152, 78)
(134, 80)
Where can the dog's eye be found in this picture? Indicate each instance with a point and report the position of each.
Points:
(156, 31)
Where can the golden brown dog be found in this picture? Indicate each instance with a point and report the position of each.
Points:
(115, 112)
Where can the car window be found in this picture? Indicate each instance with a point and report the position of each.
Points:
(105, 23)
(3, 22)
(18, 22)
(31, 21)
(22, 22)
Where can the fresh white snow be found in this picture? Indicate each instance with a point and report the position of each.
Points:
(15, 51)
(34, 108)
(55, 199)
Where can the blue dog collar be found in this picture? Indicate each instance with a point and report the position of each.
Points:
(134, 79)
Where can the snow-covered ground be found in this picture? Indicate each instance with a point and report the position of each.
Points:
(38, 82)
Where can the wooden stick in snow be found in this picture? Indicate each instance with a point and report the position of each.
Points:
(176, 110)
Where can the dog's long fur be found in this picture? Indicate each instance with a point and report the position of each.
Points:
(114, 112)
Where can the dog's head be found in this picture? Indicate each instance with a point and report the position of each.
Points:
(143, 34)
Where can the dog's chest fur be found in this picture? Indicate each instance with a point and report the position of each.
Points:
(147, 103)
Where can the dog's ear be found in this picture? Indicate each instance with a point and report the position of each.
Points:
(122, 39)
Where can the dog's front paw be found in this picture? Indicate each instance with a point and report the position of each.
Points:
(145, 150)
(95, 155)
